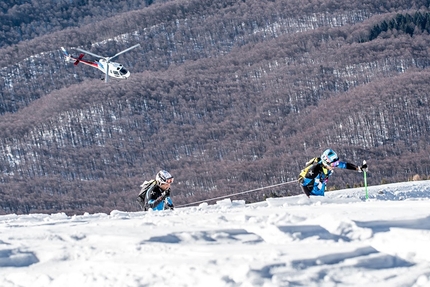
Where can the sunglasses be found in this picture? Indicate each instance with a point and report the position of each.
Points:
(334, 164)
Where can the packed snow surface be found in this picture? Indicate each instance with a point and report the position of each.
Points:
(342, 239)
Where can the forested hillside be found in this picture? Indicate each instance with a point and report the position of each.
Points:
(227, 95)
(25, 19)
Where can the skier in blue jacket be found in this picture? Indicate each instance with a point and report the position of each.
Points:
(155, 194)
(314, 177)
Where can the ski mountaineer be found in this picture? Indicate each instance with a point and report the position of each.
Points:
(155, 193)
(313, 178)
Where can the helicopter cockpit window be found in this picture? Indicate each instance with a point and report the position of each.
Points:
(115, 73)
(123, 71)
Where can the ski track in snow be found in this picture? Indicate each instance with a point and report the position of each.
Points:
(337, 240)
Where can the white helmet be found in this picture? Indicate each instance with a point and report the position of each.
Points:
(329, 158)
(163, 177)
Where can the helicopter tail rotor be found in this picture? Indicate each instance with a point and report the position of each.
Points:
(78, 59)
(67, 57)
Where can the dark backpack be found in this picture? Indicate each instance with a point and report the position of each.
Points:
(145, 192)
(307, 167)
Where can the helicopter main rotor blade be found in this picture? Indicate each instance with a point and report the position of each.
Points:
(92, 54)
(126, 50)
(107, 71)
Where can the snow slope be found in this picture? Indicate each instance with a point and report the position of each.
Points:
(337, 240)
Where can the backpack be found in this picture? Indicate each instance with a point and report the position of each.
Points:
(145, 191)
(307, 167)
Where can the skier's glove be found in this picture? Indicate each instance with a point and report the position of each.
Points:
(318, 183)
(362, 168)
(158, 200)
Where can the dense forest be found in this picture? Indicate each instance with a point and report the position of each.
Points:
(228, 96)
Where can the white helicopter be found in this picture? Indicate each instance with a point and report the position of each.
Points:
(104, 64)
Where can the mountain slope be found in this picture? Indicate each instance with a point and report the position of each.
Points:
(226, 95)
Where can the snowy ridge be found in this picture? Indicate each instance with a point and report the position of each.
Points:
(337, 240)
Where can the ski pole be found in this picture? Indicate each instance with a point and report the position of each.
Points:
(365, 180)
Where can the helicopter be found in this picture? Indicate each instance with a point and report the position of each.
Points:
(104, 64)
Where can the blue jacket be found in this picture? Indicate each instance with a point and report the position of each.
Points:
(156, 201)
(316, 177)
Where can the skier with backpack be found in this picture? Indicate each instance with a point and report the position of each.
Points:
(155, 193)
(313, 178)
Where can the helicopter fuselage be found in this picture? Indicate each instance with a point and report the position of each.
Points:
(116, 70)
